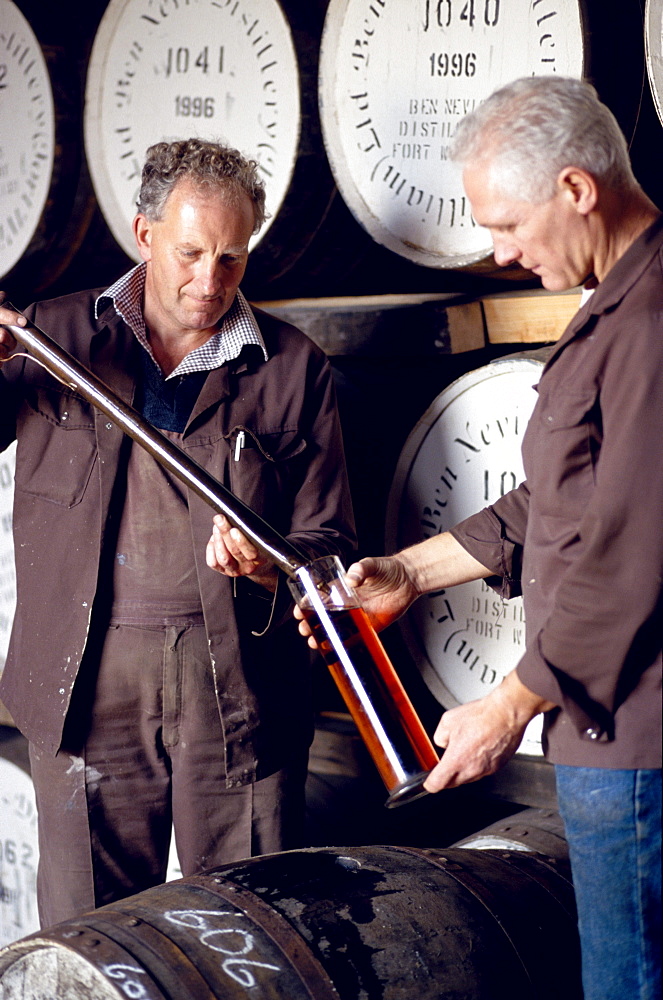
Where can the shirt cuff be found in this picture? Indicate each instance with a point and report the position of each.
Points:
(484, 536)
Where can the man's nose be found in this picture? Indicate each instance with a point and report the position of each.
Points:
(504, 250)
(210, 276)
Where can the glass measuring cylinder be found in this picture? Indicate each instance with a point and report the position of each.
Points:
(365, 677)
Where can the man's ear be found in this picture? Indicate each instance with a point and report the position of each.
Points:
(142, 229)
(580, 187)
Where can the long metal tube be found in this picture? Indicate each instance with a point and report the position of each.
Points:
(68, 370)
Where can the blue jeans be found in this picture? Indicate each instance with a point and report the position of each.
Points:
(613, 828)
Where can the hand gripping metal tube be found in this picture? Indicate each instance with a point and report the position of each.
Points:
(367, 681)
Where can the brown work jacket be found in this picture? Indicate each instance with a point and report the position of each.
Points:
(290, 471)
(582, 537)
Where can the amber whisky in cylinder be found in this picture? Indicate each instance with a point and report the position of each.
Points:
(366, 678)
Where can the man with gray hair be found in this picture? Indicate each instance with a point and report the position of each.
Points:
(154, 665)
(546, 170)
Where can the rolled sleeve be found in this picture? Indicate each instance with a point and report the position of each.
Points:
(495, 537)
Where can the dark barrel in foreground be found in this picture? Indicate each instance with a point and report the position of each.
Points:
(361, 923)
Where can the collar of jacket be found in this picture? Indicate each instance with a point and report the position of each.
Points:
(111, 351)
(619, 280)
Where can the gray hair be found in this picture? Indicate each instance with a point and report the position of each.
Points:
(533, 128)
(205, 163)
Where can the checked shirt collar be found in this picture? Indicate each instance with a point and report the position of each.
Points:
(237, 328)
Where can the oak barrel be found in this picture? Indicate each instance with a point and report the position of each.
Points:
(538, 830)
(395, 79)
(19, 848)
(654, 51)
(46, 199)
(463, 454)
(238, 72)
(380, 923)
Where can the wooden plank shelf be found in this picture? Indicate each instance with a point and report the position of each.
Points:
(427, 324)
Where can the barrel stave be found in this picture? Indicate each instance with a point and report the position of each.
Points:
(530, 903)
(210, 931)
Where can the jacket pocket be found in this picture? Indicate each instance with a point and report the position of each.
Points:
(568, 439)
(560, 411)
(263, 471)
(57, 447)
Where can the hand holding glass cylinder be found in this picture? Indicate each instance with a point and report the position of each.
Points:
(365, 677)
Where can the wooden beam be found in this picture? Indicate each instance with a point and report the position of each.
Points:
(420, 325)
(529, 317)
(387, 325)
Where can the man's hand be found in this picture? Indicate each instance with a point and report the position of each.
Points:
(481, 736)
(388, 585)
(7, 340)
(230, 552)
(383, 587)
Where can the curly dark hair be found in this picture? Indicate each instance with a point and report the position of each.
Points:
(206, 163)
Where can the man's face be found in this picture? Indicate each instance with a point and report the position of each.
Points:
(550, 238)
(196, 256)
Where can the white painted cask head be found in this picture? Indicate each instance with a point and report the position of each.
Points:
(654, 51)
(221, 70)
(395, 79)
(463, 454)
(27, 143)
